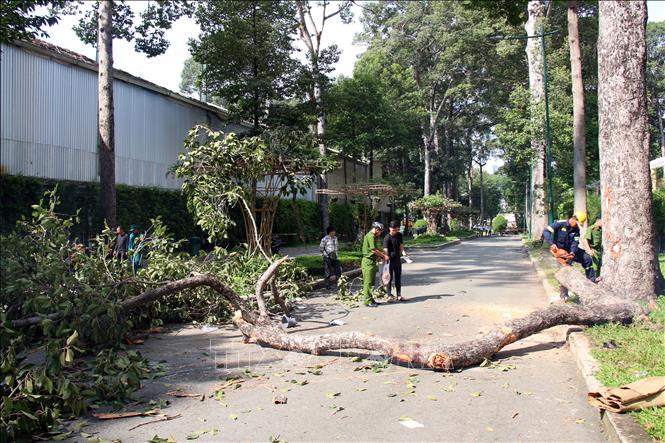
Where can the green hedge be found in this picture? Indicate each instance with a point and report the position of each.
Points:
(134, 205)
(138, 205)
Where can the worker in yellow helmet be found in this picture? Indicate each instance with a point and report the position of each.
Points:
(564, 238)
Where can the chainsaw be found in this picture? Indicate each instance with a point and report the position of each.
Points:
(564, 257)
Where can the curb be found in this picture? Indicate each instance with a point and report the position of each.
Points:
(321, 282)
(620, 428)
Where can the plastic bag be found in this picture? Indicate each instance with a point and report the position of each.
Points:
(385, 274)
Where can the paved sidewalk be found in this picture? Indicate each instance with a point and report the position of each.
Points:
(532, 393)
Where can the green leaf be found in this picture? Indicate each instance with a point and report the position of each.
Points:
(333, 394)
(72, 338)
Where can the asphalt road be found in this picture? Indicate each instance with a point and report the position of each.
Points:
(531, 392)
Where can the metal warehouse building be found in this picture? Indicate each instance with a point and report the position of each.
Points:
(48, 121)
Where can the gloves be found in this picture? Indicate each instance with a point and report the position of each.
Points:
(554, 250)
(563, 257)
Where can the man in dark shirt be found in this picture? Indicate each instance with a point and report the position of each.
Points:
(393, 247)
(121, 239)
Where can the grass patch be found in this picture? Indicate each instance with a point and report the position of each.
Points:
(313, 264)
(429, 240)
(641, 347)
(539, 251)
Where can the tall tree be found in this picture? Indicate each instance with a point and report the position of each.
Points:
(320, 60)
(630, 265)
(102, 22)
(246, 48)
(432, 39)
(106, 117)
(579, 129)
(536, 9)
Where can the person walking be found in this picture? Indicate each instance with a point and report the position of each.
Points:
(331, 267)
(593, 243)
(370, 252)
(121, 240)
(564, 238)
(133, 247)
(393, 247)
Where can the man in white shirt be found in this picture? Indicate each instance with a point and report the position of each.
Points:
(328, 247)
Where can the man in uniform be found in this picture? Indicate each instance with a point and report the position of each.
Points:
(393, 247)
(370, 251)
(564, 238)
(593, 242)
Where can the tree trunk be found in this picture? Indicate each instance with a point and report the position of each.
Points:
(469, 186)
(106, 119)
(598, 306)
(579, 135)
(539, 210)
(482, 194)
(320, 136)
(427, 155)
(629, 257)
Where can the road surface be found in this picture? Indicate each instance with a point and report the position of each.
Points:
(531, 392)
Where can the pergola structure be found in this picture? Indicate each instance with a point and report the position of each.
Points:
(373, 192)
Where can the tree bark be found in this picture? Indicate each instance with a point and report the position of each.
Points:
(536, 9)
(106, 118)
(469, 185)
(427, 155)
(482, 194)
(579, 130)
(629, 257)
(599, 307)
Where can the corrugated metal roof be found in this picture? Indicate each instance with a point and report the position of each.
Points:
(49, 121)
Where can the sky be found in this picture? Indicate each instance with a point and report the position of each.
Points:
(165, 69)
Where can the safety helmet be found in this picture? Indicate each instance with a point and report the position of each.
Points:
(580, 216)
(378, 225)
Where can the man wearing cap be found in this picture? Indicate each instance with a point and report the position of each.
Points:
(564, 238)
(370, 251)
(393, 247)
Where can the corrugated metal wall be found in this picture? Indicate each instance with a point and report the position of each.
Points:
(49, 123)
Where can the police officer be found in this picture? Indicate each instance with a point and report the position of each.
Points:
(564, 237)
(370, 252)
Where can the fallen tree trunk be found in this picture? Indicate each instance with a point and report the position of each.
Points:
(599, 305)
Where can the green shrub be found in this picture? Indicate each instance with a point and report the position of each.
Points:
(454, 225)
(341, 217)
(420, 223)
(499, 224)
(134, 205)
(566, 205)
(286, 222)
(44, 272)
(659, 210)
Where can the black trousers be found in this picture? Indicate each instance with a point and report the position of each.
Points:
(395, 275)
(331, 267)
